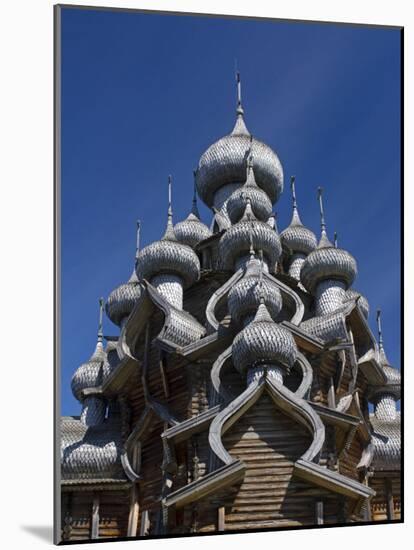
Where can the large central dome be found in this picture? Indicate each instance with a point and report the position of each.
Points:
(224, 163)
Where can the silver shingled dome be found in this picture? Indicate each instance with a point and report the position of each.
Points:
(327, 262)
(238, 239)
(260, 202)
(245, 296)
(296, 236)
(192, 230)
(122, 300)
(225, 162)
(263, 342)
(91, 373)
(169, 256)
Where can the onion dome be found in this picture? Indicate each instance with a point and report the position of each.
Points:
(122, 299)
(327, 262)
(235, 242)
(393, 384)
(260, 202)
(169, 256)
(392, 387)
(352, 294)
(192, 231)
(263, 342)
(224, 162)
(296, 236)
(245, 296)
(90, 374)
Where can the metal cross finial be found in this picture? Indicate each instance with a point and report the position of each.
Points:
(100, 327)
(138, 238)
(194, 209)
(169, 196)
(335, 239)
(380, 341)
(292, 186)
(239, 100)
(323, 224)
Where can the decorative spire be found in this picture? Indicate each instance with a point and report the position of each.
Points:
(100, 326)
(239, 109)
(137, 249)
(335, 239)
(380, 341)
(292, 187)
(295, 215)
(324, 241)
(194, 209)
(169, 234)
(240, 126)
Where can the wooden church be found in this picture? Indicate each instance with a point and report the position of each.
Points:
(237, 394)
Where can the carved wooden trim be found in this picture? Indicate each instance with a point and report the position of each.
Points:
(300, 308)
(331, 480)
(215, 375)
(206, 485)
(218, 297)
(230, 415)
(191, 426)
(302, 412)
(307, 376)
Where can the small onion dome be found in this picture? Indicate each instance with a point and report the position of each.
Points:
(237, 240)
(328, 263)
(89, 374)
(260, 202)
(192, 231)
(391, 387)
(263, 342)
(169, 256)
(225, 162)
(352, 294)
(122, 300)
(245, 296)
(296, 236)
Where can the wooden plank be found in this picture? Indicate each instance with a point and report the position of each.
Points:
(95, 517)
(319, 512)
(145, 524)
(390, 499)
(133, 512)
(221, 518)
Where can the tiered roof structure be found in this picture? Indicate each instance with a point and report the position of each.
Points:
(236, 395)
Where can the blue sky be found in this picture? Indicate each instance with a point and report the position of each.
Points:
(143, 95)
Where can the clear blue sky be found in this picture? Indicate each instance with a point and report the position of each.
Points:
(144, 95)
